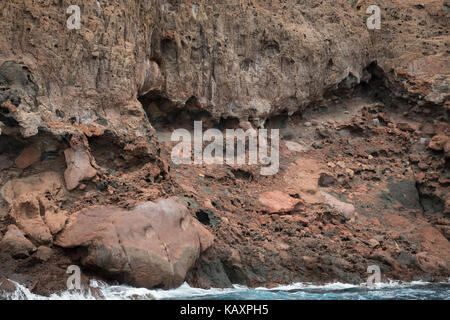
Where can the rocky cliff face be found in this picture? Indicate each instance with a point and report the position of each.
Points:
(79, 108)
(244, 59)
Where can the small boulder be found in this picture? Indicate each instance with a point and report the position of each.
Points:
(28, 156)
(27, 213)
(373, 243)
(350, 172)
(323, 132)
(408, 126)
(27, 201)
(15, 243)
(277, 201)
(346, 209)
(43, 253)
(295, 147)
(438, 142)
(79, 167)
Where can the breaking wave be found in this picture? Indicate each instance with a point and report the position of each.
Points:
(298, 291)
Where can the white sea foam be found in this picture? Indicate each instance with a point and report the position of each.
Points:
(102, 290)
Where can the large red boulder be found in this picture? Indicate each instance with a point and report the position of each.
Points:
(152, 245)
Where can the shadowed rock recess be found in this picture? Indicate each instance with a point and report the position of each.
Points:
(86, 176)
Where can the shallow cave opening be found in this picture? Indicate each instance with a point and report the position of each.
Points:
(227, 123)
(373, 79)
(10, 144)
(7, 121)
(109, 155)
(376, 86)
(279, 121)
(394, 95)
(286, 124)
(165, 114)
(105, 152)
(156, 106)
(20, 157)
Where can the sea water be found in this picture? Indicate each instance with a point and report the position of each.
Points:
(297, 291)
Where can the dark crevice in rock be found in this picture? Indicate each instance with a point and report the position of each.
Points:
(8, 121)
(10, 145)
(420, 198)
(164, 113)
(207, 217)
(109, 154)
(430, 203)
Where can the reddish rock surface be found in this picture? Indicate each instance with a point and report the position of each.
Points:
(79, 167)
(152, 245)
(31, 205)
(438, 143)
(28, 156)
(86, 118)
(277, 202)
(43, 253)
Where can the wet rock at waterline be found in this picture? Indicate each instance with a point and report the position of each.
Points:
(152, 245)
(6, 287)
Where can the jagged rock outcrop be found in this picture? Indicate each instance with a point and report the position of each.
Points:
(79, 167)
(412, 53)
(250, 59)
(153, 245)
(31, 204)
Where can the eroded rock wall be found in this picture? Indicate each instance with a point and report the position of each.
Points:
(238, 58)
